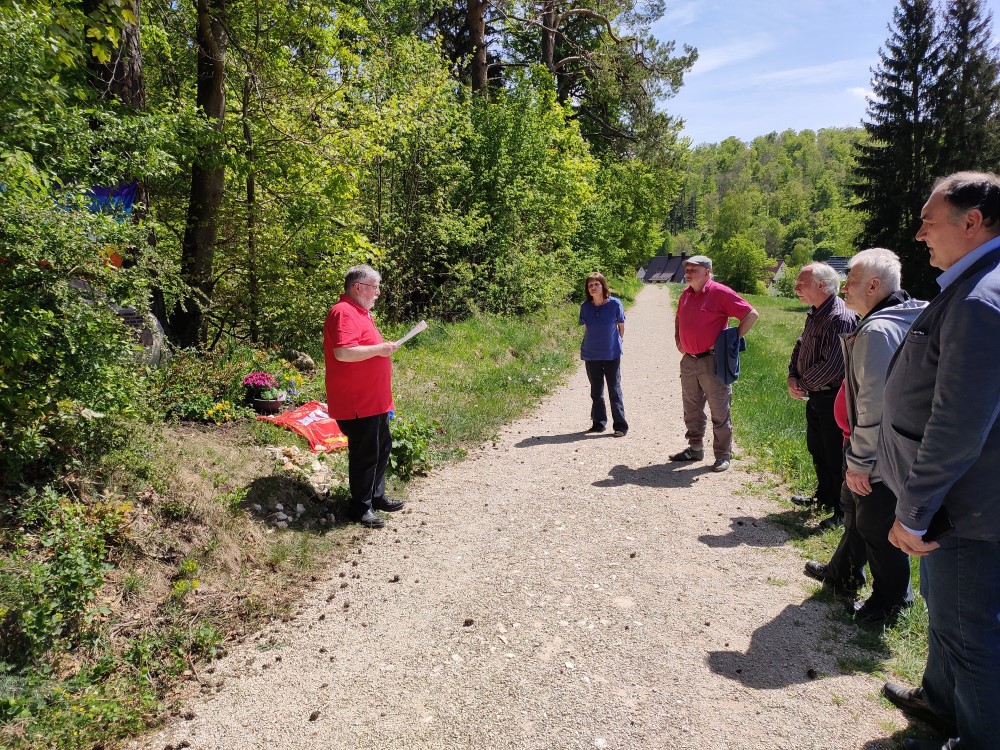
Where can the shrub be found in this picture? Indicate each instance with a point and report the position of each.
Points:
(67, 366)
(410, 447)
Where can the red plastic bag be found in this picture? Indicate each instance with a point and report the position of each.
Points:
(314, 424)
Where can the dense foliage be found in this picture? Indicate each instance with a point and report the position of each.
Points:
(783, 196)
(935, 111)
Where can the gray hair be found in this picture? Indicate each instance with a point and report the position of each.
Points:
(826, 276)
(363, 272)
(879, 263)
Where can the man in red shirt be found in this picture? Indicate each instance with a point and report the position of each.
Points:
(359, 392)
(703, 311)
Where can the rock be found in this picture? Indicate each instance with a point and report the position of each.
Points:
(301, 362)
(300, 508)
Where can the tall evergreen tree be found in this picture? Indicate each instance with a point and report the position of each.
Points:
(897, 165)
(970, 95)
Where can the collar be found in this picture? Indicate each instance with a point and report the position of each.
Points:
(825, 307)
(348, 298)
(949, 276)
(704, 289)
(896, 298)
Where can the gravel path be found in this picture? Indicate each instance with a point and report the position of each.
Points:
(557, 590)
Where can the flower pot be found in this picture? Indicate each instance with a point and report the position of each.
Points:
(268, 406)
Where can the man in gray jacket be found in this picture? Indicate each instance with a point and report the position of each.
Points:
(939, 451)
(873, 291)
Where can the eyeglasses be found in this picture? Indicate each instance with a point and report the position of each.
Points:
(376, 287)
(594, 283)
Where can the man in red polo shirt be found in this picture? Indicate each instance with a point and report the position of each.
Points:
(703, 311)
(359, 392)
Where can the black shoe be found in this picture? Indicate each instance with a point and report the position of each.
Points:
(865, 613)
(819, 571)
(689, 454)
(389, 506)
(370, 520)
(834, 521)
(596, 428)
(803, 500)
(816, 570)
(913, 744)
(913, 703)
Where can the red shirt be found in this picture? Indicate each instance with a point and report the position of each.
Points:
(701, 316)
(354, 389)
(840, 411)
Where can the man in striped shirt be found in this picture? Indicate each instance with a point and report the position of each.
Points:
(815, 372)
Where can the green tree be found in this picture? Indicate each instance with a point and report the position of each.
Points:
(968, 105)
(898, 163)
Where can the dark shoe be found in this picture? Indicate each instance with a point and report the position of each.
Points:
(721, 464)
(816, 570)
(389, 506)
(912, 744)
(620, 433)
(595, 428)
(370, 520)
(913, 703)
(833, 522)
(803, 500)
(864, 613)
(689, 454)
(819, 571)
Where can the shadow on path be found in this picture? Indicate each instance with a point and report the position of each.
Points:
(781, 653)
(659, 475)
(749, 531)
(569, 437)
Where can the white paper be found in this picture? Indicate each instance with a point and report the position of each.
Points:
(412, 332)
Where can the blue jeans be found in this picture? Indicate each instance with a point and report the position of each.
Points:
(599, 371)
(962, 676)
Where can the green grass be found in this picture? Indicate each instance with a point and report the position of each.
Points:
(770, 430)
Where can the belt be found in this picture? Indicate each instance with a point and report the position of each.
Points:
(828, 389)
(703, 354)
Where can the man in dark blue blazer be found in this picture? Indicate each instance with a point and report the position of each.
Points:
(939, 451)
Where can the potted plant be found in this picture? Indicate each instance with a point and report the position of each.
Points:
(263, 392)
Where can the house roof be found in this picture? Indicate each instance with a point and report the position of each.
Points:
(665, 268)
(839, 264)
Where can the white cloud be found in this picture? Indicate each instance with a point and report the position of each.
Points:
(815, 74)
(710, 59)
(682, 15)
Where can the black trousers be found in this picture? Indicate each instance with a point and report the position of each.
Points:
(825, 441)
(369, 444)
(867, 521)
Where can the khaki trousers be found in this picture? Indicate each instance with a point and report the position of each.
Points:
(698, 385)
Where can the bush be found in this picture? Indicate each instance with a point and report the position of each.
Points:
(410, 447)
(67, 362)
(51, 578)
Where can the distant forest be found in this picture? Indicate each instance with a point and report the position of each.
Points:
(783, 196)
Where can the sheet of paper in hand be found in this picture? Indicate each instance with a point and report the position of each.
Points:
(412, 332)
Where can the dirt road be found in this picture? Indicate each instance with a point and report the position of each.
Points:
(558, 590)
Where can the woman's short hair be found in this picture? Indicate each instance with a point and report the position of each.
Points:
(605, 289)
(879, 263)
(363, 272)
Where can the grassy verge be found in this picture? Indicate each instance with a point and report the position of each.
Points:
(770, 430)
(119, 581)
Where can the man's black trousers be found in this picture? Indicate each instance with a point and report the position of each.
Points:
(825, 441)
(369, 443)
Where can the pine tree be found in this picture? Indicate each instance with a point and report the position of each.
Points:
(897, 166)
(970, 94)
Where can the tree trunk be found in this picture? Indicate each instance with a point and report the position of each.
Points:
(475, 21)
(253, 276)
(548, 47)
(207, 179)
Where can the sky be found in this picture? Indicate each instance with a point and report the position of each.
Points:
(771, 65)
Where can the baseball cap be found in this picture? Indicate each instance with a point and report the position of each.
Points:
(699, 260)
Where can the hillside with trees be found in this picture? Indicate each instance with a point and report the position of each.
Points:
(784, 196)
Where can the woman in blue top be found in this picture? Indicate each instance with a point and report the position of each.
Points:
(603, 318)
